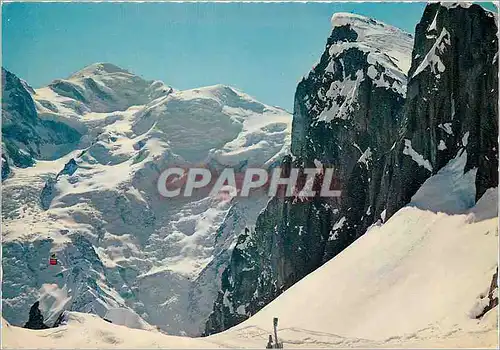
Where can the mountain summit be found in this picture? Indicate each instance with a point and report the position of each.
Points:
(100, 88)
(392, 44)
(98, 69)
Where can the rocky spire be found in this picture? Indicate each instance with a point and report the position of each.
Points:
(35, 320)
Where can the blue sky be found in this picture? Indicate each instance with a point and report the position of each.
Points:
(262, 49)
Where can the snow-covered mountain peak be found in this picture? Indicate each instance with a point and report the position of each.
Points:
(207, 118)
(101, 88)
(359, 51)
(226, 99)
(224, 95)
(365, 27)
(219, 88)
(449, 5)
(371, 35)
(218, 91)
(102, 196)
(98, 68)
(343, 18)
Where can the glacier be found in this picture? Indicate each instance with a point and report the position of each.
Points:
(118, 242)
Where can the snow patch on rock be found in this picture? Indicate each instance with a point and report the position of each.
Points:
(432, 59)
(417, 157)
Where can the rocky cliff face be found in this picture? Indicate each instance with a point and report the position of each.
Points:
(35, 320)
(347, 113)
(354, 113)
(452, 100)
(26, 137)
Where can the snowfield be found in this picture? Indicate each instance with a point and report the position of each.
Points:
(419, 281)
(90, 331)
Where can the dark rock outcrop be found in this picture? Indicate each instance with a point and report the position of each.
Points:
(26, 137)
(5, 167)
(492, 295)
(61, 320)
(49, 189)
(452, 99)
(35, 320)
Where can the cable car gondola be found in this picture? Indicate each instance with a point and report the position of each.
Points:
(53, 259)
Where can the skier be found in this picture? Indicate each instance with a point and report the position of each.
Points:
(270, 342)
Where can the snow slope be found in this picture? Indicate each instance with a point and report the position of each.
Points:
(418, 275)
(124, 317)
(90, 331)
(119, 243)
(419, 280)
